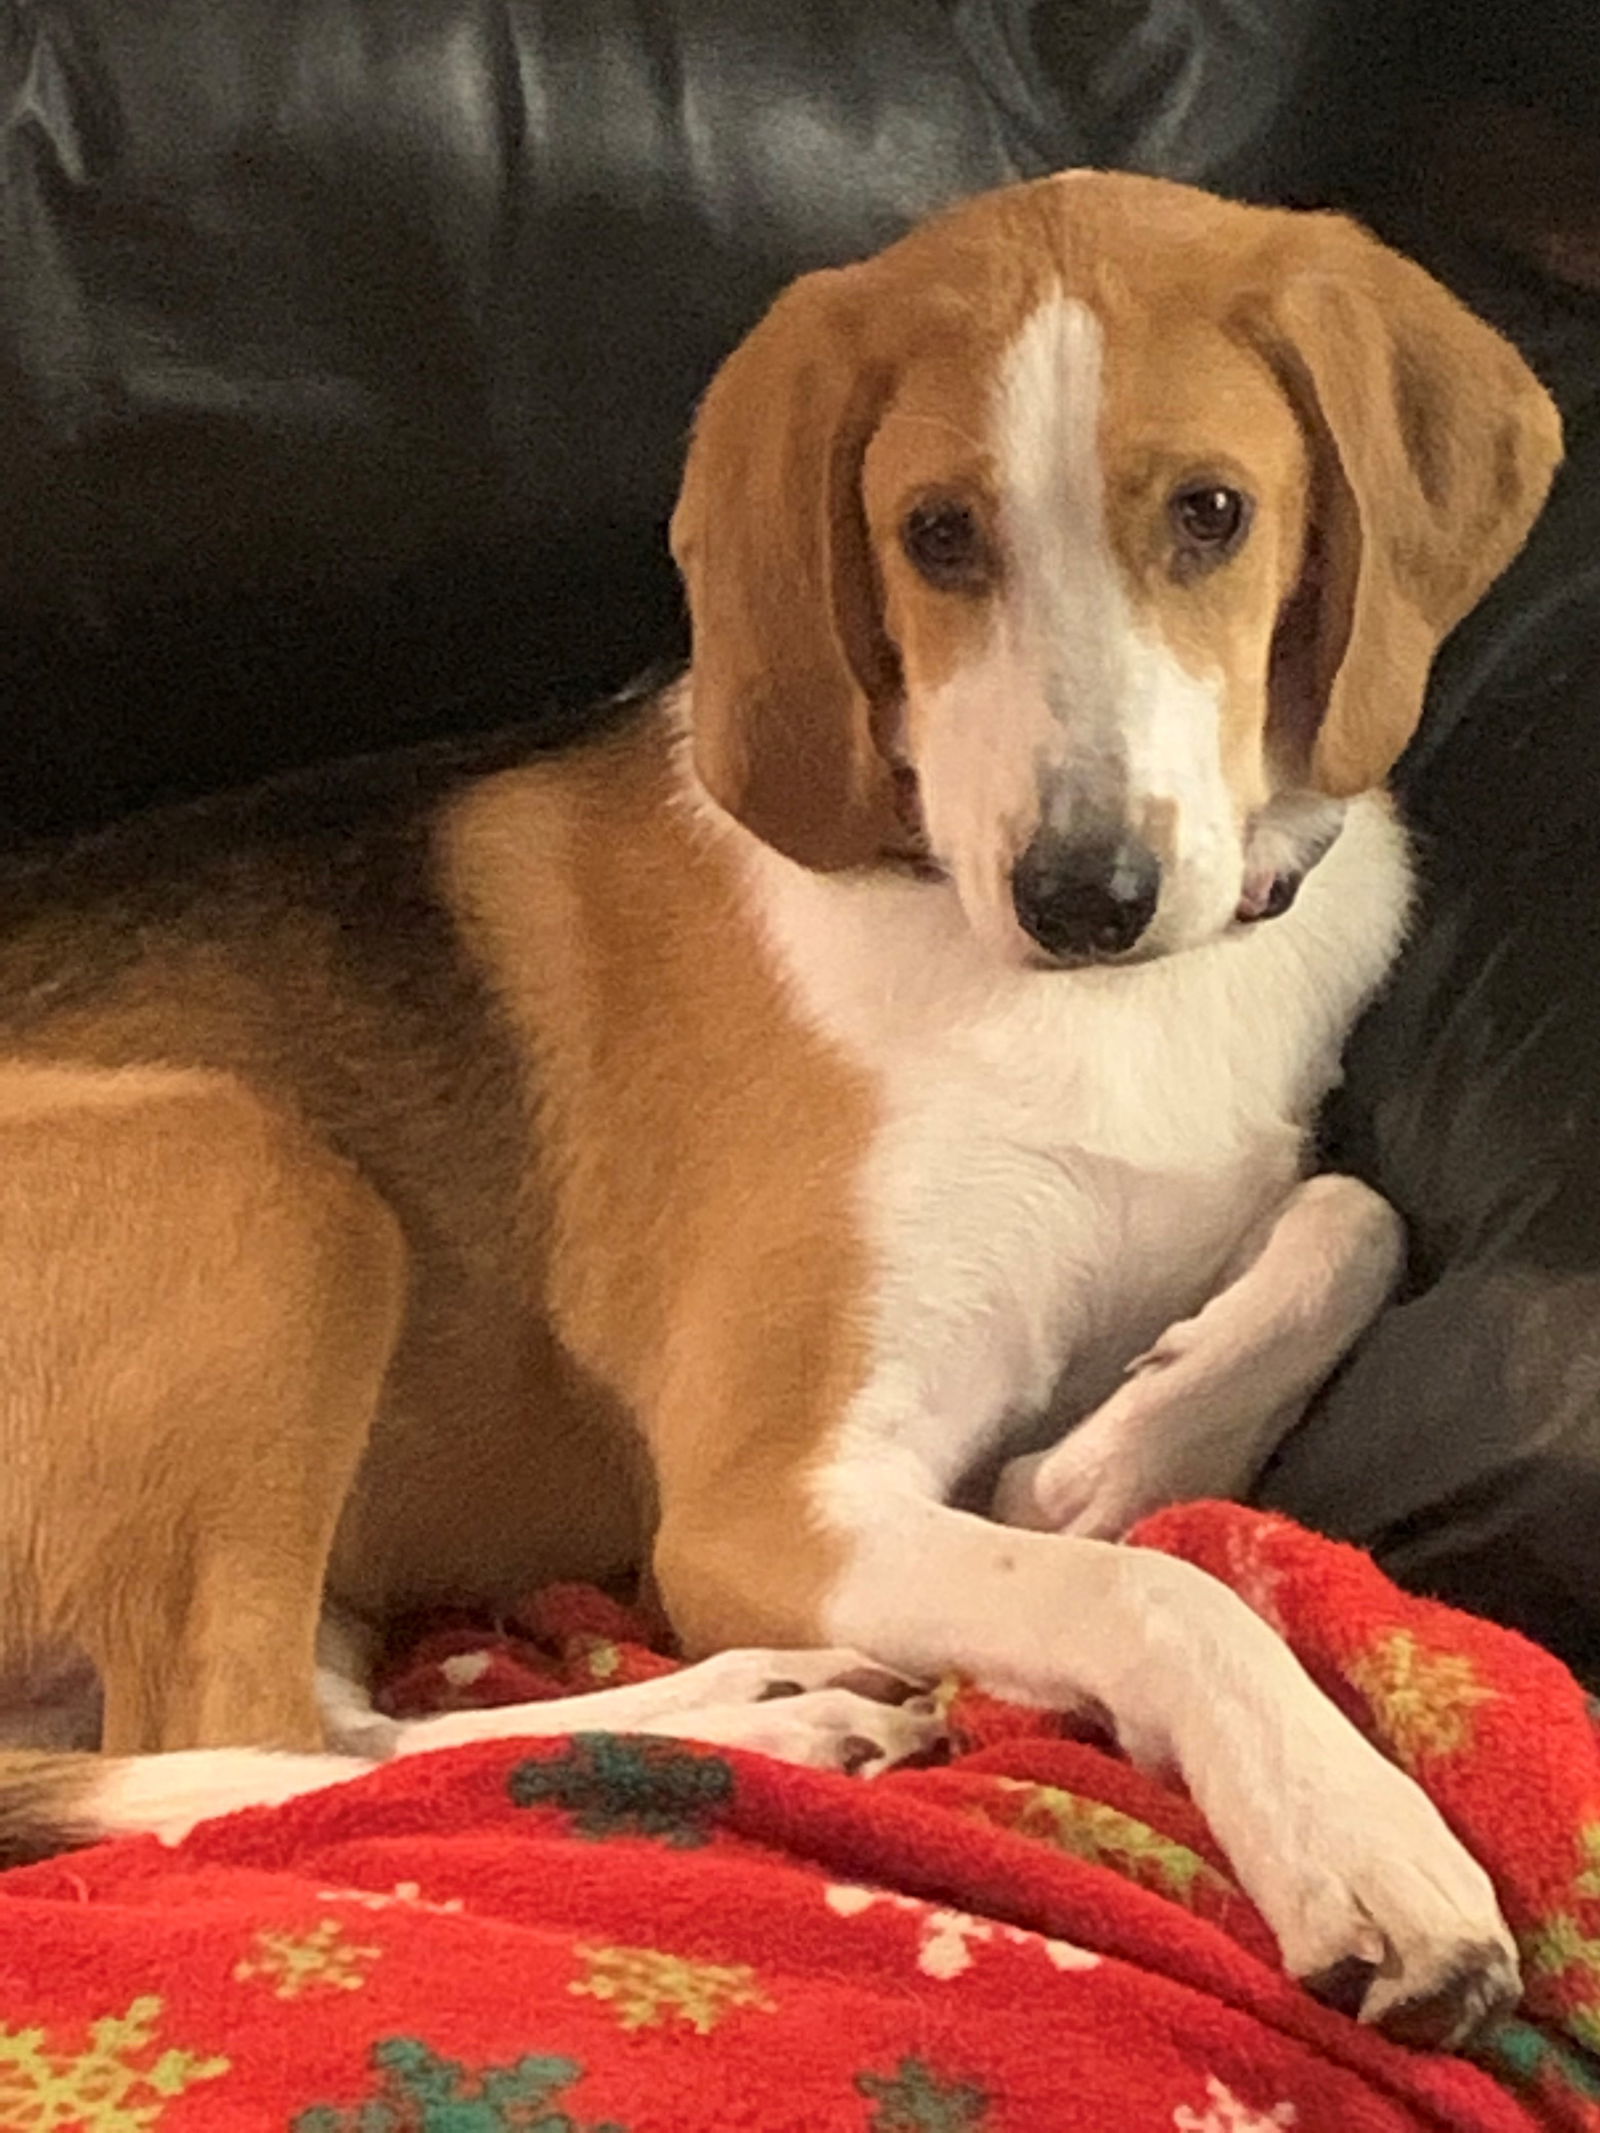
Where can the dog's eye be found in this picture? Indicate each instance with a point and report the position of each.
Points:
(1211, 520)
(945, 544)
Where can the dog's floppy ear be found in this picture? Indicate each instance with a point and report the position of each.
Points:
(790, 659)
(1432, 446)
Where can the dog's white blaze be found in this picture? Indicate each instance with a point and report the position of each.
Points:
(1064, 612)
(1074, 706)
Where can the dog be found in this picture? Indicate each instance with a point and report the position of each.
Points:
(865, 1085)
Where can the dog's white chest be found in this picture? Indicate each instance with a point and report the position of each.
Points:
(1051, 1184)
(1064, 1161)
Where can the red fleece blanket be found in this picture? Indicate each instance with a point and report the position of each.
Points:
(614, 1935)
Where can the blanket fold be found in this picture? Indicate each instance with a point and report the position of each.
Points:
(612, 1934)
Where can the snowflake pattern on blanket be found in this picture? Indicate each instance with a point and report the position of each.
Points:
(119, 2079)
(621, 1785)
(606, 1934)
(649, 1986)
(419, 2092)
(914, 2099)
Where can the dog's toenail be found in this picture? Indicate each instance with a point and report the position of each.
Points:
(856, 1751)
(1342, 1986)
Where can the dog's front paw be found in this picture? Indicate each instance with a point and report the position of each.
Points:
(1163, 1437)
(1090, 1486)
(1382, 1912)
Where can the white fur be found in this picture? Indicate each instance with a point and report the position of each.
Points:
(1198, 1414)
(1067, 1160)
(1075, 713)
(166, 1796)
(1065, 1164)
(831, 1715)
(347, 1656)
(722, 1700)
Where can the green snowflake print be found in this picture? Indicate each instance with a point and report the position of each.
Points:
(418, 2092)
(914, 2100)
(628, 1785)
(1526, 2056)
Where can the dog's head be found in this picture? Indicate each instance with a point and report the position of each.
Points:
(1091, 545)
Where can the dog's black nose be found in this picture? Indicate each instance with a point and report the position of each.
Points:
(1079, 896)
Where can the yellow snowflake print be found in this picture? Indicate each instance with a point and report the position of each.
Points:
(1093, 1830)
(1588, 1881)
(119, 2083)
(294, 1964)
(1421, 1701)
(650, 1986)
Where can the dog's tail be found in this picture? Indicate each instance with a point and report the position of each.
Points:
(60, 1803)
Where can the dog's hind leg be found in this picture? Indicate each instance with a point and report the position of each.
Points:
(829, 1709)
(200, 1306)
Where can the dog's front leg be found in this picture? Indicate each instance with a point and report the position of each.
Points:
(1347, 1859)
(815, 1515)
(1203, 1409)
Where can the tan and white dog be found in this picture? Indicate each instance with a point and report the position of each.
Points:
(745, 1139)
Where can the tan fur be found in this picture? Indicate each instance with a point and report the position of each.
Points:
(1342, 386)
(212, 1311)
(701, 1264)
(199, 1310)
